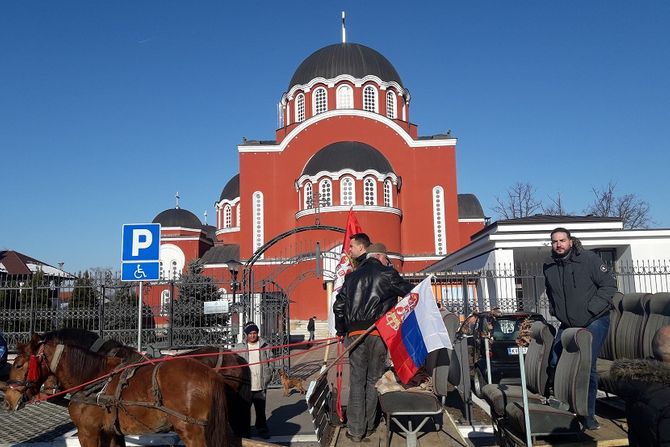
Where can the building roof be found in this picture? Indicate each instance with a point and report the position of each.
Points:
(559, 221)
(344, 58)
(232, 189)
(15, 263)
(177, 217)
(221, 254)
(210, 231)
(469, 207)
(347, 155)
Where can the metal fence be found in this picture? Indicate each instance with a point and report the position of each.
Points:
(104, 304)
(521, 287)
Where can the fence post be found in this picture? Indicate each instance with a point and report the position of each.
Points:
(171, 313)
(466, 299)
(101, 311)
(33, 291)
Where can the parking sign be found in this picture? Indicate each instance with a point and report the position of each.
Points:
(140, 252)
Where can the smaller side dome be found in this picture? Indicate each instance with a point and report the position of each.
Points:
(232, 189)
(347, 155)
(469, 207)
(177, 217)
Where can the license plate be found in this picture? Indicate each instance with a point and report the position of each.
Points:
(514, 350)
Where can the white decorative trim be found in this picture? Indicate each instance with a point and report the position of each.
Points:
(169, 254)
(193, 230)
(348, 172)
(182, 238)
(341, 208)
(223, 202)
(331, 82)
(439, 227)
(400, 130)
(473, 220)
(423, 258)
(227, 230)
(258, 213)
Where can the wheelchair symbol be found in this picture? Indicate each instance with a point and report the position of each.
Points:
(139, 273)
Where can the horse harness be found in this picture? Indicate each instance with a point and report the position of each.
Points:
(95, 394)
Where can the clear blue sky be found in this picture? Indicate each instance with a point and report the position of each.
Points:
(109, 108)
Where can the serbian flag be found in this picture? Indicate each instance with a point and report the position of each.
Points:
(412, 329)
(345, 265)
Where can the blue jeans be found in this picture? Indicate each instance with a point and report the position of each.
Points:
(598, 330)
(367, 363)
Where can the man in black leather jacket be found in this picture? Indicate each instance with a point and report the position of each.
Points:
(368, 292)
(580, 288)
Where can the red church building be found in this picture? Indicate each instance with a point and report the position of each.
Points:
(345, 140)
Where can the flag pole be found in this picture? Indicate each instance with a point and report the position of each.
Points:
(351, 346)
(329, 293)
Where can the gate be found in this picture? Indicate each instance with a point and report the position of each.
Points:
(266, 302)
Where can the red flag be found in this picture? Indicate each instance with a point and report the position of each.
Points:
(345, 265)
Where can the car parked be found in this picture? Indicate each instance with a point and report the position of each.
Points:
(502, 330)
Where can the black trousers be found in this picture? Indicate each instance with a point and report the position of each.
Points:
(258, 399)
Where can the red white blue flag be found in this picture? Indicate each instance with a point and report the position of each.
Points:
(412, 329)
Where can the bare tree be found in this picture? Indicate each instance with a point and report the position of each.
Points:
(633, 211)
(556, 208)
(520, 202)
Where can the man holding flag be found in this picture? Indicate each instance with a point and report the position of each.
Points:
(367, 294)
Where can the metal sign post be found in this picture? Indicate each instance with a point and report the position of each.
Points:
(140, 260)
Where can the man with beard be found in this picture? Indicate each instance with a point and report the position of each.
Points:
(580, 288)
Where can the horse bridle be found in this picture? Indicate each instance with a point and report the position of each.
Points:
(34, 378)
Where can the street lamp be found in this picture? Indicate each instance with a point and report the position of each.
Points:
(234, 267)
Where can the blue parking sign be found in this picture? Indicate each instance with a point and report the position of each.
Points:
(141, 242)
(140, 252)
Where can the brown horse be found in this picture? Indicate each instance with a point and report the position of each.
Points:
(232, 367)
(180, 394)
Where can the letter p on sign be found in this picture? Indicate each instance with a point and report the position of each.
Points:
(142, 239)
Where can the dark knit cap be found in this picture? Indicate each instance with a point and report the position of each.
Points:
(250, 327)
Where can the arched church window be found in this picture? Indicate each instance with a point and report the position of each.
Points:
(390, 104)
(325, 193)
(227, 217)
(320, 101)
(345, 97)
(308, 196)
(388, 193)
(370, 98)
(173, 270)
(347, 191)
(237, 214)
(300, 108)
(370, 191)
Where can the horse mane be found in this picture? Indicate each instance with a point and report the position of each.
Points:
(83, 364)
(71, 336)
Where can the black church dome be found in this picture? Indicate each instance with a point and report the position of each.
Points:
(177, 217)
(344, 58)
(347, 155)
(232, 189)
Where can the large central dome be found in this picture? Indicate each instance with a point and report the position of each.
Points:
(344, 58)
